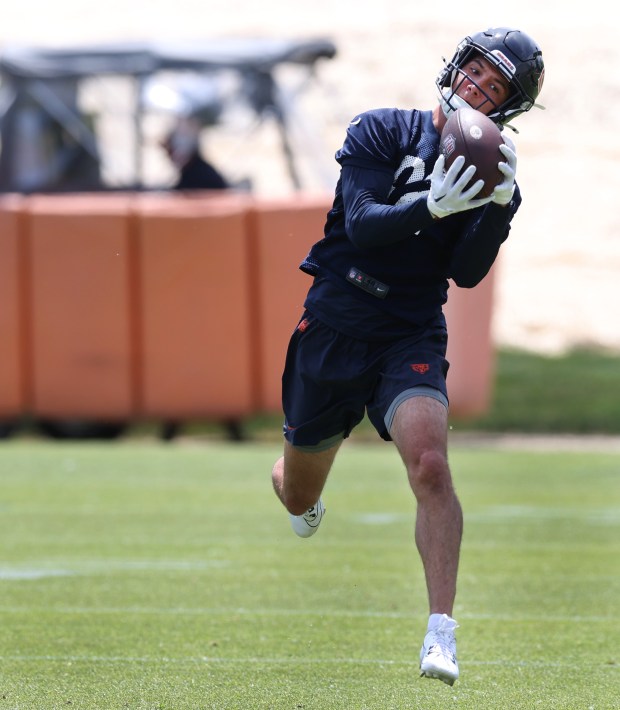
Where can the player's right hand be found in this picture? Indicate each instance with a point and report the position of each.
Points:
(504, 191)
(448, 193)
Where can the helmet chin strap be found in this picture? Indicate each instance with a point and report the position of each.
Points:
(450, 102)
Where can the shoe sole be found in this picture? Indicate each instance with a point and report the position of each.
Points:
(445, 679)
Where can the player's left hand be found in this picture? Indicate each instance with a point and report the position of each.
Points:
(502, 194)
(449, 192)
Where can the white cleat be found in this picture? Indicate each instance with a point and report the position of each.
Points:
(438, 654)
(307, 524)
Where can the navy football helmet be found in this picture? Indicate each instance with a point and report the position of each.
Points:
(518, 58)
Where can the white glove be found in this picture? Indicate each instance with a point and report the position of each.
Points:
(447, 194)
(503, 192)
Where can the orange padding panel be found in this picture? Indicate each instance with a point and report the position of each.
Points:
(121, 306)
(196, 339)
(12, 278)
(282, 233)
(79, 295)
(470, 348)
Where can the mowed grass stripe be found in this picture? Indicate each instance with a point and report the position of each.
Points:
(295, 660)
(344, 613)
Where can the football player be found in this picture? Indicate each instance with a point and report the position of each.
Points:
(372, 337)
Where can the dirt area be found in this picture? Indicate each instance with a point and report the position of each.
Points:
(558, 273)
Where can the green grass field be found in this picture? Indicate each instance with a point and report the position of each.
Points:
(149, 576)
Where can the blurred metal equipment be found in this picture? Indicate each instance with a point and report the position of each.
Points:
(51, 143)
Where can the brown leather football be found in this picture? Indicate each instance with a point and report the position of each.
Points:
(472, 134)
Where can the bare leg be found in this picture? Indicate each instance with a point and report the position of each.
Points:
(299, 477)
(419, 431)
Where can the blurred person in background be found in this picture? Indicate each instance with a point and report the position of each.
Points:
(182, 145)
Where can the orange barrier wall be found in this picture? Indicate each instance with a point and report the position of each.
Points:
(196, 339)
(282, 233)
(470, 349)
(119, 307)
(79, 298)
(12, 278)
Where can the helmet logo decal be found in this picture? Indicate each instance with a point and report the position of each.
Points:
(541, 78)
(503, 59)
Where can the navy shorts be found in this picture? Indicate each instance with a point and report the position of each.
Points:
(330, 380)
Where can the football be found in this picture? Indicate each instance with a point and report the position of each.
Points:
(472, 134)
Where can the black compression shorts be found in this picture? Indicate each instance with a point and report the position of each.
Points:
(330, 380)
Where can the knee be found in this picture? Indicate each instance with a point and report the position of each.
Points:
(430, 474)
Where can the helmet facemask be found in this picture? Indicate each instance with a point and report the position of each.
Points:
(449, 96)
(502, 48)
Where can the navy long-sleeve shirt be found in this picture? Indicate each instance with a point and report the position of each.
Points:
(383, 264)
